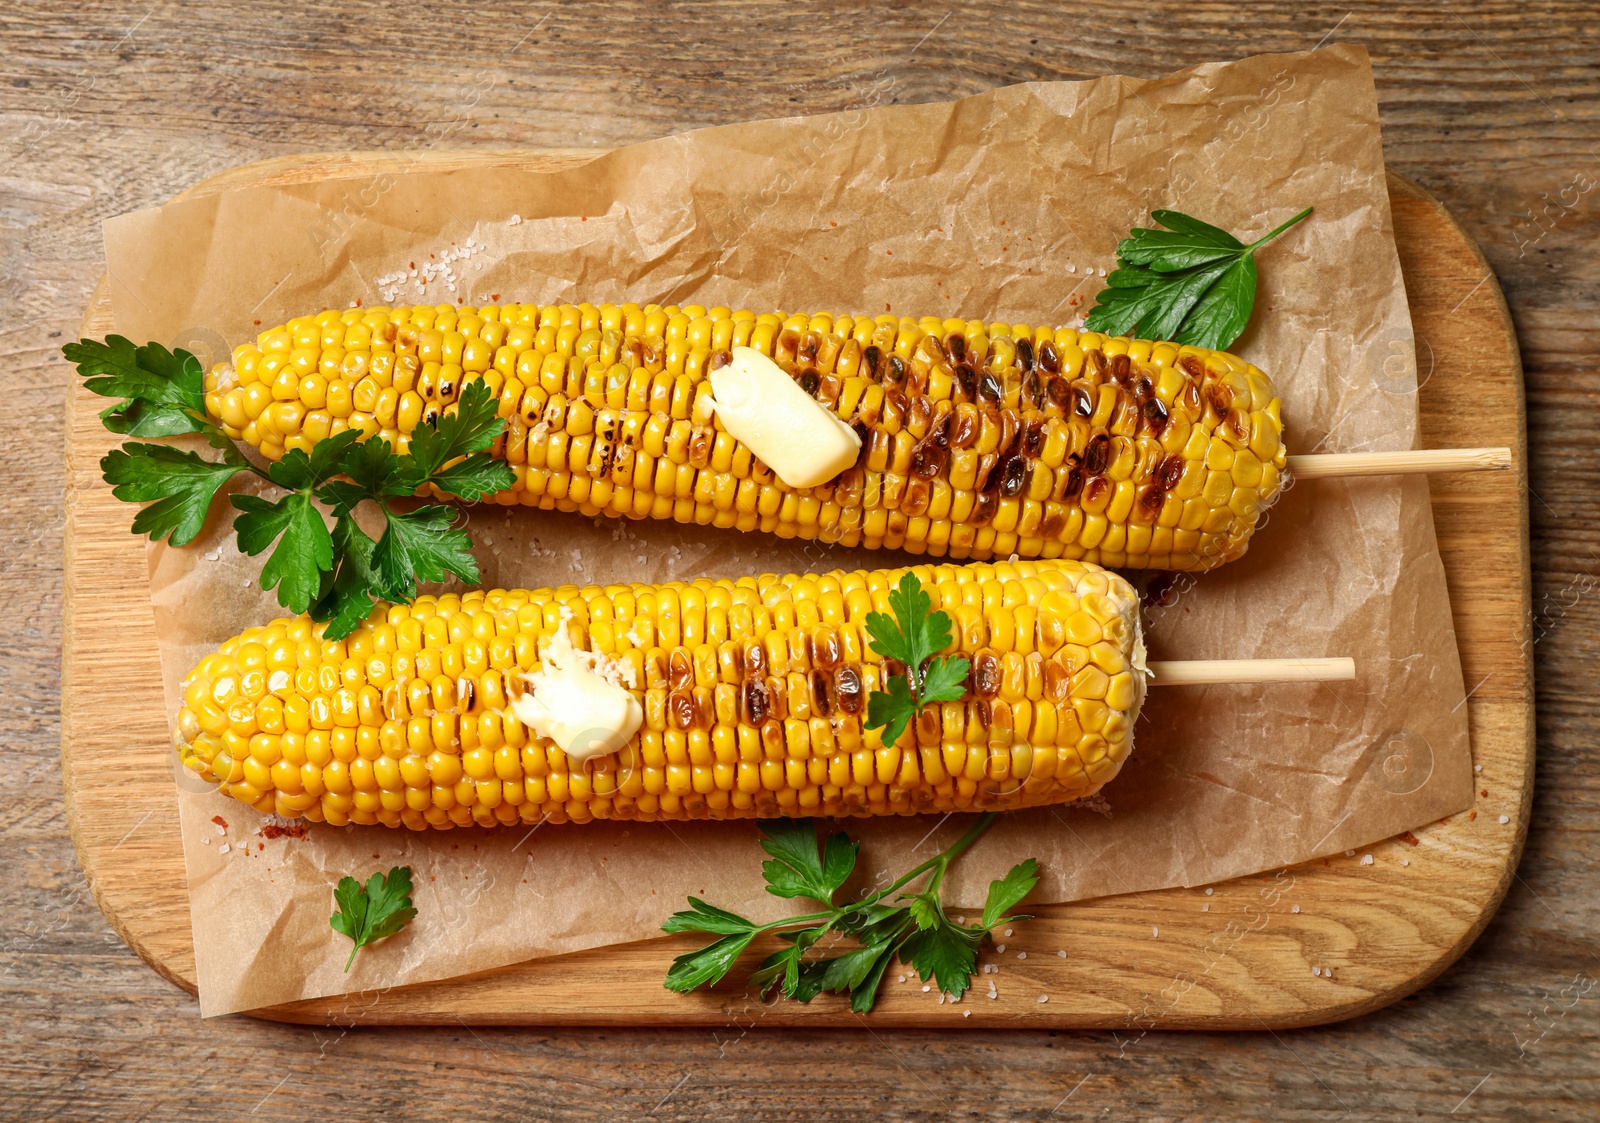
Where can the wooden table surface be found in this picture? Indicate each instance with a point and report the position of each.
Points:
(105, 108)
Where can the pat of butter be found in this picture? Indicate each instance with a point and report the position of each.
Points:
(799, 438)
(574, 705)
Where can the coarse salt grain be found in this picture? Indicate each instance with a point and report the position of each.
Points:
(1205, 908)
(1008, 932)
(1022, 955)
(224, 848)
(926, 988)
(1405, 861)
(902, 978)
(1294, 908)
(1062, 953)
(1001, 948)
(1349, 853)
(1477, 768)
(1505, 818)
(1208, 892)
(515, 220)
(1155, 933)
(1316, 971)
(966, 1013)
(1043, 998)
(1366, 859)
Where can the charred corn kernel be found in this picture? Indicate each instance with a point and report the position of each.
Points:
(978, 439)
(754, 695)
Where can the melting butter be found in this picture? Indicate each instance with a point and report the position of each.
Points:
(799, 438)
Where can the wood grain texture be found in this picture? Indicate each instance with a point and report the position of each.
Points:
(1245, 960)
(1494, 107)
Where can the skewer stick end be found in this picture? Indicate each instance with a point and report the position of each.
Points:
(1200, 672)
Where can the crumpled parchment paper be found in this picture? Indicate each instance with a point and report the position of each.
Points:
(1005, 206)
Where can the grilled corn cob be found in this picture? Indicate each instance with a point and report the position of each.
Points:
(978, 440)
(753, 691)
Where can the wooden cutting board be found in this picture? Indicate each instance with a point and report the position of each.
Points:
(1363, 937)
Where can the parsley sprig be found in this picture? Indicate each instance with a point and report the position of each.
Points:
(892, 923)
(1191, 283)
(337, 572)
(913, 636)
(374, 911)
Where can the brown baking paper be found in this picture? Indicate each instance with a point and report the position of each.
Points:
(1007, 206)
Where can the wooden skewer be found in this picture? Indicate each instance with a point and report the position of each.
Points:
(1199, 672)
(1325, 465)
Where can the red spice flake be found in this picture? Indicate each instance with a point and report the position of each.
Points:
(273, 830)
(889, 252)
(1408, 838)
(461, 300)
(1472, 815)
(220, 821)
(261, 846)
(886, 306)
(832, 223)
(1074, 300)
(358, 302)
(1484, 792)
(411, 265)
(258, 323)
(494, 296)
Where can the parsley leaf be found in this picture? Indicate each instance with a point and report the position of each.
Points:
(348, 600)
(178, 485)
(163, 391)
(305, 548)
(912, 635)
(796, 869)
(1192, 283)
(701, 917)
(418, 546)
(944, 680)
(891, 710)
(375, 471)
(1010, 889)
(709, 964)
(475, 476)
(375, 911)
(471, 427)
(914, 928)
(914, 632)
(946, 953)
